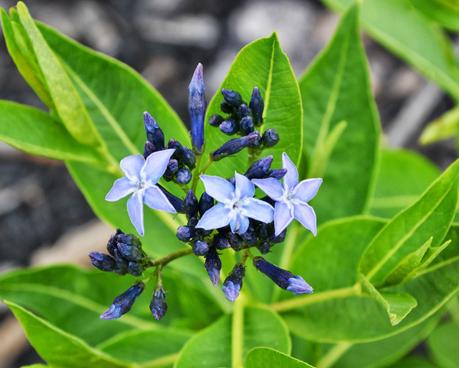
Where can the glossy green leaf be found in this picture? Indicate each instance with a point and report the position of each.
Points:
(414, 362)
(403, 176)
(397, 25)
(270, 358)
(446, 126)
(35, 132)
(444, 12)
(261, 64)
(59, 348)
(336, 94)
(430, 216)
(443, 345)
(213, 346)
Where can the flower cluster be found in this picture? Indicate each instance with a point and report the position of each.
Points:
(227, 213)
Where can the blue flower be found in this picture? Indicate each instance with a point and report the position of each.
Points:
(197, 108)
(236, 204)
(283, 278)
(291, 198)
(141, 177)
(123, 303)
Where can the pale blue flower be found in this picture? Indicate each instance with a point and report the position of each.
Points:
(291, 198)
(141, 177)
(236, 204)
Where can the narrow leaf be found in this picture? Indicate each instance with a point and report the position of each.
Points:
(270, 358)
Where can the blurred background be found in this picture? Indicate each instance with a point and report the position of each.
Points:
(44, 218)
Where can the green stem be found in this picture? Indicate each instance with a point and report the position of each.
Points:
(170, 257)
(199, 171)
(333, 355)
(237, 333)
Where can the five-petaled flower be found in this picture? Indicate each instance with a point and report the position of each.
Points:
(291, 197)
(141, 177)
(236, 204)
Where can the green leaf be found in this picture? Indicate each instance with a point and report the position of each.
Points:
(57, 347)
(403, 176)
(430, 216)
(444, 12)
(408, 34)
(66, 101)
(35, 132)
(443, 345)
(213, 346)
(337, 100)
(270, 358)
(414, 362)
(446, 126)
(262, 64)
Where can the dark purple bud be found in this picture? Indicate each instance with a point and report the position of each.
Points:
(257, 105)
(216, 120)
(246, 125)
(277, 173)
(205, 202)
(123, 303)
(158, 305)
(242, 111)
(226, 107)
(250, 236)
(283, 278)
(172, 166)
(102, 261)
(121, 267)
(197, 108)
(233, 283)
(264, 247)
(270, 138)
(190, 204)
(188, 157)
(183, 176)
(229, 127)
(135, 268)
(235, 145)
(130, 253)
(176, 202)
(192, 222)
(154, 133)
(175, 145)
(263, 231)
(221, 242)
(279, 238)
(260, 168)
(148, 149)
(185, 233)
(213, 266)
(200, 247)
(231, 97)
(235, 241)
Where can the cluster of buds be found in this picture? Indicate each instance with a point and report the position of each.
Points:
(226, 215)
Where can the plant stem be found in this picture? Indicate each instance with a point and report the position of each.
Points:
(170, 257)
(199, 171)
(237, 333)
(333, 355)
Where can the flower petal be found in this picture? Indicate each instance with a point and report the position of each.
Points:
(135, 211)
(307, 189)
(305, 214)
(272, 187)
(244, 187)
(239, 223)
(156, 165)
(132, 166)
(220, 189)
(291, 177)
(156, 199)
(258, 210)
(121, 188)
(214, 218)
(282, 217)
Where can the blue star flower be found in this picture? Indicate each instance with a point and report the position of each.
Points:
(236, 204)
(291, 198)
(141, 177)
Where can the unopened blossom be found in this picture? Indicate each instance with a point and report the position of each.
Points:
(197, 108)
(236, 204)
(291, 197)
(140, 180)
(123, 303)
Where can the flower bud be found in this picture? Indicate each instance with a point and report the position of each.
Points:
(205, 202)
(235, 145)
(123, 303)
(249, 237)
(102, 261)
(185, 233)
(254, 139)
(270, 138)
(176, 202)
(231, 97)
(226, 107)
(183, 176)
(148, 149)
(264, 247)
(221, 242)
(235, 241)
(197, 108)
(229, 127)
(190, 204)
(213, 265)
(277, 173)
(279, 238)
(200, 247)
(158, 305)
(135, 268)
(283, 278)
(130, 253)
(246, 125)
(257, 105)
(260, 168)
(242, 111)
(215, 120)
(154, 133)
(233, 283)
